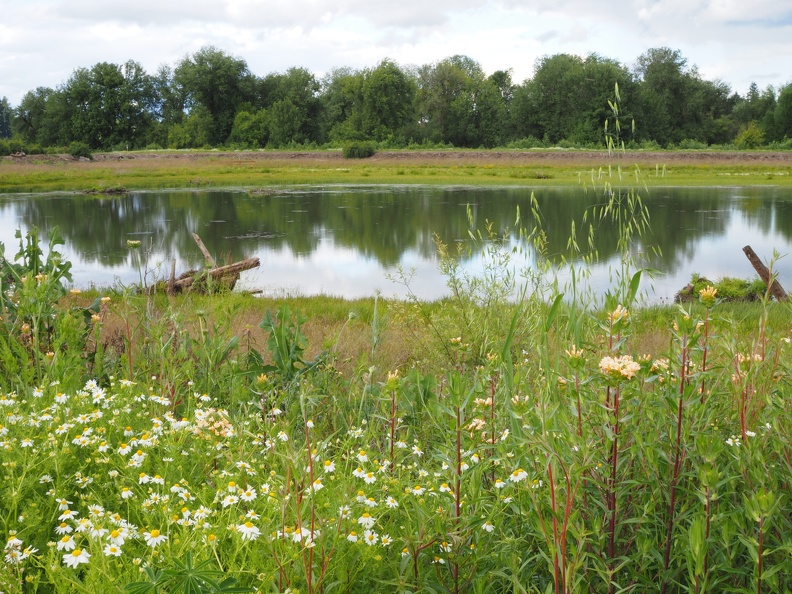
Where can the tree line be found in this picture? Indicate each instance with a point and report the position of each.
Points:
(212, 99)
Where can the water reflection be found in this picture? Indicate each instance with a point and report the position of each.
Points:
(345, 241)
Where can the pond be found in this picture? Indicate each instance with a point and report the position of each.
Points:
(350, 242)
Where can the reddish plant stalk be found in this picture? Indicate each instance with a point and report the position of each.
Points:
(579, 409)
(759, 550)
(492, 411)
(704, 355)
(392, 423)
(492, 425)
(458, 485)
(708, 514)
(557, 571)
(309, 564)
(741, 403)
(129, 349)
(677, 465)
(415, 553)
(612, 492)
(556, 577)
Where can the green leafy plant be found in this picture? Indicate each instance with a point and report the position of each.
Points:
(359, 150)
(39, 334)
(750, 137)
(80, 150)
(186, 578)
(286, 344)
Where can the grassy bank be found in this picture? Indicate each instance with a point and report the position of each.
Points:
(369, 331)
(144, 170)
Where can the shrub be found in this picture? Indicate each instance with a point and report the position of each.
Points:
(729, 289)
(15, 145)
(781, 145)
(750, 137)
(80, 149)
(359, 150)
(526, 143)
(650, 145)
(691, 144)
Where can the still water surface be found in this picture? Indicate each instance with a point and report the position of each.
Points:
(349, 241)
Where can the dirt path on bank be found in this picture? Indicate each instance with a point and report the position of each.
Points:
(451, 157)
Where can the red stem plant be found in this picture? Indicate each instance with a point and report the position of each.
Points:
(678, 459)
(557, 541)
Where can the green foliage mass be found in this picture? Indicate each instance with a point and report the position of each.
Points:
(728, 288)
(211, 99)
(359, 150)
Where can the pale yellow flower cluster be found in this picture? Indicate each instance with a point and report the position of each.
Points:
(618, 314)
(707, 295)
(214, 420)
(622, 367)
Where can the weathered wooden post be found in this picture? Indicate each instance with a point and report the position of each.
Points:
(776, 290)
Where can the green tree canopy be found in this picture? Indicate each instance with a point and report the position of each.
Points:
(674, 102)
(294, 107)
(31, 122)
(440, 85)
(388, 98)
(783, 113)
(211, 98)
(110, 105)
(218, 82)
(5, 118)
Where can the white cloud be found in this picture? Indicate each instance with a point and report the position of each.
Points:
(43, 41)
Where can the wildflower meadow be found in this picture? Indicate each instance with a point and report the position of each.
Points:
(527, 446)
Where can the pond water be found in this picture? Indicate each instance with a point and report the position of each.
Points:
(349, 242)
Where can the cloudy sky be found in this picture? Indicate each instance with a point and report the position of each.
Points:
(43, 41)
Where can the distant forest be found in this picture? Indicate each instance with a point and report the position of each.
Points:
(212, 99)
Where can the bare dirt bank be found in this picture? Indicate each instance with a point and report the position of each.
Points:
(460, 157)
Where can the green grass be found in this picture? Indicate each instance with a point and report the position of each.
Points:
(202, 170)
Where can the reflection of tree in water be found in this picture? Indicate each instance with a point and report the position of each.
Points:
(680, 219)
(769, 210)
(383, 223)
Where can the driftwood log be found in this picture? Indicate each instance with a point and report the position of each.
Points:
(776, 290)
(231, 270)
(226, 276)
(209, 259)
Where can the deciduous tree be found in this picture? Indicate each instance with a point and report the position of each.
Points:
(218, 82)
(6, 114)
(110, 105)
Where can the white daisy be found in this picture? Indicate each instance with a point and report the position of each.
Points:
(112, 550)
(66, 544)
(154, 538)
(366, 520)
(248, 531)
(76, 557)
